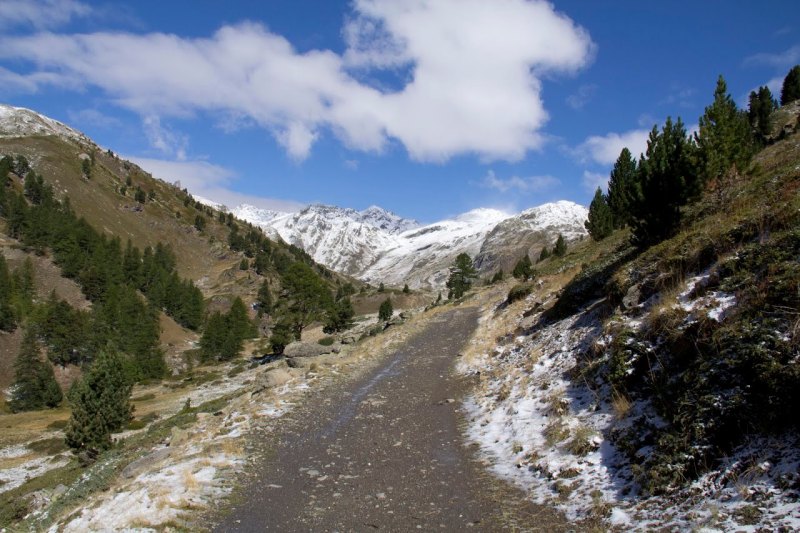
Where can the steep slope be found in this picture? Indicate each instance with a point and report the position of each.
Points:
(529, 232)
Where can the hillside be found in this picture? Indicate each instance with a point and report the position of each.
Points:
(654, 388)
(377, 246)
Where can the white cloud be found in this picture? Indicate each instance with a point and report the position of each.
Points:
(473, 83)
(40, 14)
(93, 117)
(786, 59)
(605, 149)
(163, 139)
(581, 97)
(209, 181)
(521, 184)
(593, 180)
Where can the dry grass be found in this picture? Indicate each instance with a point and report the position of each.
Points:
(621, 405)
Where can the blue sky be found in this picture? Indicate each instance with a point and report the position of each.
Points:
(426, 108)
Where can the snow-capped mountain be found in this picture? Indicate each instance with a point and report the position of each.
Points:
(22, 122)
(378, 246)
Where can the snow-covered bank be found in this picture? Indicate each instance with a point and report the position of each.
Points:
(548, 427)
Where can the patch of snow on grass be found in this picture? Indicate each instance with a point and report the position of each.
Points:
(16, 476)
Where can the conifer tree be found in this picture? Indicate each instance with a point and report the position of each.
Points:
(665, 173)
(560, 247)
(601, 221)
(724, 139)
(761, 106)
(523, 270)
(790, 91)
(264, 299)
(498, 276)
(23, 288)
(406, 290)
(385, 311)
(8, 320)
(35, 385)
(100, 403)
(306, 294)
(544, 254)
(622, 188)
(462, 274)
(340, 316)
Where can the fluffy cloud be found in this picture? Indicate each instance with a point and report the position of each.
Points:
(785, 59)
(605, 149)
(520, 184)
(473, 83)
(593, 180)
(207, 180)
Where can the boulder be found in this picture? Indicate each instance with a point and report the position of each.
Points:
(305, 349)
(272, 378)
(632, 297)
(348, 340)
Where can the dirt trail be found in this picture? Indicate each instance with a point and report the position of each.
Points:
(384, 452)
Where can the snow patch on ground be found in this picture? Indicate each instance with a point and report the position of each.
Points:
(13, 477)
(549, 433)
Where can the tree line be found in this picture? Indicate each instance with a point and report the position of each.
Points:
(648, 195)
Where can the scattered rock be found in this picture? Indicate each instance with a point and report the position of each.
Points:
(144, 463)
(349, 340)
(178, 436)
(305, 349)
(272, 378)
(632, 297)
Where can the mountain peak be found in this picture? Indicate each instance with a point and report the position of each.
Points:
(22, 122)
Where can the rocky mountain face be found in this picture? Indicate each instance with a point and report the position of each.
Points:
(378, 246)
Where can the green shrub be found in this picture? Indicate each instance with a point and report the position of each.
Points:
(519, 292)
(326, 341)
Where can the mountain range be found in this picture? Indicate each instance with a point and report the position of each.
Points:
(379, 246)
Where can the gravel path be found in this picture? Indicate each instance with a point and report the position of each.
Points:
(384, 452)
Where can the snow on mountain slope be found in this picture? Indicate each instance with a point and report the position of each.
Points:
(421, 256)
(21, 122)
(378, 246)
(529, 232)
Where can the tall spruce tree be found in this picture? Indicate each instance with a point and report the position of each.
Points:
(306, 294)
(724, 139)
(761, 105)
(560, 247)
(523, 270)
(462, 274)
(35, 385)
(601, 220)
(623, 188)
(100, 403)
(385, 311)
(790, 91)
(665, 174)
(8, 321)
(264, 299)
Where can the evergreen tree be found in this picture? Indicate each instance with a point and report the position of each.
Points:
(385, 311)
(281, 336)
(306, 294)
(23, 288)
(199, 222)
(790, 91)
(761, 106)
(601, 220)
(35, 385)
(264, 299)
(244, 264)
(724, 139)
(560, 248)
(8, 321)
(622, 188)
(406, 290)
(544, 254)
(100, 404)
(665, 173)
(239, 322)
(381, 287)
(462, 273)
(523, 270)
(498, 276)
(340, 316)
(86, 168)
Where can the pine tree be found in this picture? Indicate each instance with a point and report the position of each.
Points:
(462, 273)
(601, 220)
(239, 322)
(761, 106)
(665, 175)
(498, 276)
(790, 91)
(381, 287)
(523, 270)
(8, 321)
(100, 404)
(385, 311)
(406, 290)
(544, 254)
(340, 316)
(622, 188)
(35, 385)
(264, 299)
(560, 248)
(307, 296)
(724, 139)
